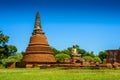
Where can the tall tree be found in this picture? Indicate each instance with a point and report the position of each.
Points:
(3, 39)
(6, 50)
(11, 50)
(66, 51)
(55, 51)
(3, 46)
(102, 55)
(90, 54)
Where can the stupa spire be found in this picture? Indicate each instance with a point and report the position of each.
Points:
(38, 51)
(37, 26)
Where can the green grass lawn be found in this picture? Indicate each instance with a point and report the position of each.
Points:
(58, 74)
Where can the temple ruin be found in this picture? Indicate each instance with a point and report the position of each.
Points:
(40, 54)
(38, 50)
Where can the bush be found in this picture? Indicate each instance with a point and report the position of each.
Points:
(97, 59)
(15, 58)
(88, 58)
(104, 60)
(7, 60)
(62, 56)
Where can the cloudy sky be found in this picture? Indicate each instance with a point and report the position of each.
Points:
(92, 24)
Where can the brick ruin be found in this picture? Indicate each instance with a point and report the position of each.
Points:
(113, 56)
(39, 54)
(38, 50)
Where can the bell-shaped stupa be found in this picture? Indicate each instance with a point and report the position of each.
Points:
(38, 50)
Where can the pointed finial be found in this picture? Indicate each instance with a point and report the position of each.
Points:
(37, 22)
(37, 26)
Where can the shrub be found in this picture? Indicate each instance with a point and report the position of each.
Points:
(88, 58)
(15, 58)
(62, 56)
(97, 59)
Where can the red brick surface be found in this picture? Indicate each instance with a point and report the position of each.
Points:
(38, 49)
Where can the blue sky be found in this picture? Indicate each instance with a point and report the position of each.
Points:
(92, 24)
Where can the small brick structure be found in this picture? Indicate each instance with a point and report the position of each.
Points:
(113, 58)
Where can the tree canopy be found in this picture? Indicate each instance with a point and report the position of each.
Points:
(62, 56)
(3, 39)
(102, 55)
(6, 50)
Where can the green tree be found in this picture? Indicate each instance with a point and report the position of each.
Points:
(18, 56)
(55, 51)
(97, 59)
(91, 54)
(85, 53)
(104, 60)
(3, 51)
(3, 46)
(15, 58)
(3, 39)
(62, 56)
(66, 51)
(11, 50)
(88, 58)
(102, 55)
(6, 50)
(70, 49)
(22, 52)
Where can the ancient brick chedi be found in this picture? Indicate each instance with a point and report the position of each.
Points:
(38, 50)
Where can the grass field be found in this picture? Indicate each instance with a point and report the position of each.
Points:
(59, 74)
